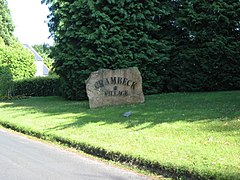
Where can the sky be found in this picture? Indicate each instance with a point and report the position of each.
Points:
(30, 20)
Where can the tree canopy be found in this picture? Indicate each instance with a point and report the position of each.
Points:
(15, 61)
(6, 23)
(178, 45)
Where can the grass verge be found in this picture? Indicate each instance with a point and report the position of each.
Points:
(191, 135)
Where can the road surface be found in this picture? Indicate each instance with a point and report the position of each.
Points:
(25, 159)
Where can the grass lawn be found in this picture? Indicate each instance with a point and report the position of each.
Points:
(196, 132)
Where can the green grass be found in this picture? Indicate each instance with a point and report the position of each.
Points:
(196, 132)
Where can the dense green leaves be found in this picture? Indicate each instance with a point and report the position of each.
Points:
(38, 86)
(18, 59)
(15, 61)
(208, 57)
(6, 24)
(178, 45)
(90, 35)
(6, 81)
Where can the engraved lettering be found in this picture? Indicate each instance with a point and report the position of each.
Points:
(113, 80)
(120, 80)
(125, 81)
(106, 81)
(133, 85)
(116, 93)
(99, 84)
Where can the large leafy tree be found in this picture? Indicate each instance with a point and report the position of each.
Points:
(90, 35)
(178, 45)
(207, 56)
(15, 61)
(19, 60)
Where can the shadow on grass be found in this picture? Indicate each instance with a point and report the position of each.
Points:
(219, 112)
(158, 109)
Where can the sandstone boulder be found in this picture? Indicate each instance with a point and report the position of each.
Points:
(114, 87)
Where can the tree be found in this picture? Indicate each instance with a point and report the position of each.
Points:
(90, 35)
(18, 59)
(178, 45)
(6, 24)
(206, 57)
(15, 61)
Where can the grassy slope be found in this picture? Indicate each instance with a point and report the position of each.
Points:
(194, 131)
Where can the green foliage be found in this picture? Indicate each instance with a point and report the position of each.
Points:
(91, 35)
(38, 86)
(207, 55)
(18, 59)
(6, 24)
(6, 81)
(177, 45)
(43, 48)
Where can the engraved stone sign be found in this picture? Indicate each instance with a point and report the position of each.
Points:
(114, 87)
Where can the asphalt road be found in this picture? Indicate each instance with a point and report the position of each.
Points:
(25, 159)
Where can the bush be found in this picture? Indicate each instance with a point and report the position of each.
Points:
(38, 86)
(6, 81)
(18, 59)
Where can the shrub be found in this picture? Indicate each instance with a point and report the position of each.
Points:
(38, 86)
(6, 81)
(18, 59)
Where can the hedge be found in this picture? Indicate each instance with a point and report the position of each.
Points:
(37, 86)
